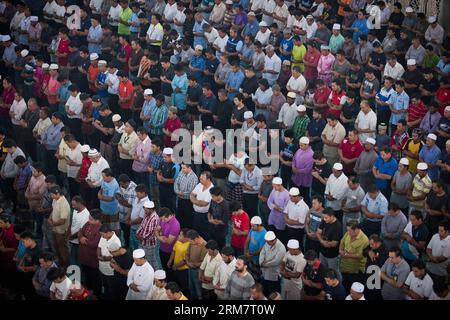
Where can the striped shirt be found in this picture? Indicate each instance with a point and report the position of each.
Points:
(147, 230)
(128, 194)
(238, 288)
(185, 183)
(154, 161)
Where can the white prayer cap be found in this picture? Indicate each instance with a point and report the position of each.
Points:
(447, 142)
(114, 246)
(292, 95)
(93, 56)
(447, 108)
(404, 161)
(432, 19)
(262, 24)
(371, 141)
(304, 140)
(270, 235)
(324, 47)
(85, 148)
(138, 253)
(409, 10)
(24, 53)
(160, 275)
(228, 2)
(301, 108)
(93, 153)
(248, 115)
(168, 151)
(336, 26)
(6, 38)
(411, 62)
(294, 192)
(34, 19)
(148, 92)
(432, 136)
(149, 204)
(293, 244)
(102, 63)
(45, 66)
(256, 220)
(198, 47)
(422, 166)
(116, 117)
(338, 166)
(309, 16)
(54, 66)
(251, 14)
(277, 180)
(358, 287)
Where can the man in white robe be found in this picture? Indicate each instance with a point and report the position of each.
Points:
(140, 277)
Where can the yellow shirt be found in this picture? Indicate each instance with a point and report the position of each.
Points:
(61, 210)
(62, 150)
(183, 297)
(415, 149)
(128, 142)
(298, 53)
(180, 249)
(350, 265)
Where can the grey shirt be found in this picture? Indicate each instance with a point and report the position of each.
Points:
(272, 256)
(401, 182)
(238, 288)
(417, 54)
(365, 162)
(353, 199)
(393, 225)
(399, 272)
(9, 168)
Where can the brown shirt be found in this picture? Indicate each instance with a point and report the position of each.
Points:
(196, 253)
(87, 253)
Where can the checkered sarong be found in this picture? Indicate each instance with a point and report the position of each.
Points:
(152, 256)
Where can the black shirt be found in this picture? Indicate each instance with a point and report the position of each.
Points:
(211, 67)
(155, 72)
(317, 275)
(166, 88)
(119, 281)
(445, 175)
(331, 232)
(412, 77)
(382, 255)
(223, 111)
(315, 129)
(249, 86)
(168, 172)
(31, 257)
(324, 171)
(194, 93)
(431, 86)
(107, 123)
(335, 293)
(220, 211)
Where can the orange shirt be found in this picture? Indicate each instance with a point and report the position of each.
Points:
(92, 75)
(341, 11)
(126, 90)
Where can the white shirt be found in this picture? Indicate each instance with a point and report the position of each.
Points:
(202, 195)
(281, 12)
(142, 277)
(272, 63)
(154, 33)
(298, 84)
(423, 287)
(349, 297)
(18, 109)
(293, 23)
(75, 105)
(79, 219)
(263, 37)
(95, 171)
(294, 264)
(96, 4)
(137, 209)
(76, 156)
(221, 43)
(257, 4)
(222, 275)
(103, 244)
(319, 9)
(287, 114)
(114, 14)
(237, 163)
(15, 21)
(61, 290)
(395, 72)
(60, 11)
(42, 126)
(434, 296)
(336, 187)
(213, 35)
(114, 87)
(310, 30)
(298, 212)
(170, 12)
(180, 16)
(439, 247)
(262, 97)
(366, 121)
(48, 8)
(209, 267)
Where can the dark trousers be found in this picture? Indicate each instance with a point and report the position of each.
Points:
(297, 234)
(74, 187)
(167, 196)
(370, 227)
(271, 286)
(92, 201)
(113, 101)
(312, 245)
(304, 192)
(280, 234)
(185, 213)
(219, 237)
(251, 204)
(208, 295)
(107, 291)
(52, 162)
(201, 224)
(125, 114)
(164, 256)
(92, 279)
(126, 166)
(39, 220)
(182, 278)
(75, 128)
(126, 234)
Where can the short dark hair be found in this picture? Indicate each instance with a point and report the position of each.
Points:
(397, 251)
(55, 273)
(105, 228)
(46, 256)
(173, 287)
(108, 172)
(258, 287)
(331, 274)
(311, 255)
(141, 188)
(227, 251)
(79, 199)
(165, 212)
(244, 259)
(328, 211)
(212, 245)
(419, 264)
(215, 191)
(96, 214)
(26, 235)
(192, 234)
(417, 214)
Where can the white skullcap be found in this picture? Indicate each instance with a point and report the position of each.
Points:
(198, 47)
(6, 38)
(404, 161)
(301, 108)
(114, 246)
(149, 204)
(371, 141)
(292, 95)
(358, 287)
(24, 53)
(102, 63)
(447, 108)
(336, 26)
(148, 92)
(411, 62)
(324, 47)
(309, 16)
(256, 220)
(409, 10)
(85, 148)
(93, 153)
(54, 66)
(168, 151)
(432, 136)
(160, 275)
(270, 235)
(93, 56)
(277, 180)
(294, 192)
(432, 19)
(116, 117)
(248, 115)
(422, 166)
(138, 253)
(293, 244)
(304, 140)
(34, 19)
(338, 166)
(45, 66)
(262, 24)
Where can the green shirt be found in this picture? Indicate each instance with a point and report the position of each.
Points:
(351, 265)
(124, 16)
(430, 62)
(336, 43)
(300, 127)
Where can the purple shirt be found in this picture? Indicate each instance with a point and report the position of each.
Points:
(279, 199)
(303, 161)
(142, 151)
(430, 122)
(172, 227)
(240, 19)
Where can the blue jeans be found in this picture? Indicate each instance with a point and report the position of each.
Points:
(134, 242)
(195, 288)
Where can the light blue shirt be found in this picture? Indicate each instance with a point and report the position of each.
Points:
(134, 18)
(398, 102)
(179, 98)
(251, 29)
(109, 189)
(9, 54)
(431, 156)
(95, 33)
(198, 27)
(377, 206)
(444, 67)
(52, 137)
(147, 110)
(234, 81)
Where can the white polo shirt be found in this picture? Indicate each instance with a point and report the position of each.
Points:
(202, 195)
(75, 105)
(95, 172)
(336, 187)
(298, 212)
(76, 156)
(105, 266)
(439, 247)
(298, 84)
(423, 287)
(366, 121)
(79, 219)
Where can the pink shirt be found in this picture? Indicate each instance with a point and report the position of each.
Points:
(142, 151)
(325, 64)
(53, 87)
(35, 191)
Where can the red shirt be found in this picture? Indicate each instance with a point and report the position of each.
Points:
(443, 98)
(350, 151)
(92, 75)
(171, 125)
(85, 165)
(9, 240)
(126, 90)
(416, 112)
(127, 51)
(313, 58)
(336, 100)
(8, 96)
(242, 223)
(321, 97)
(63, 47)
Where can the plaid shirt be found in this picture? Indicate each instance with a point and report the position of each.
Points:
(300, 127)
(129, 194)
(147, 229)
(154, 161)
(185, 183)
